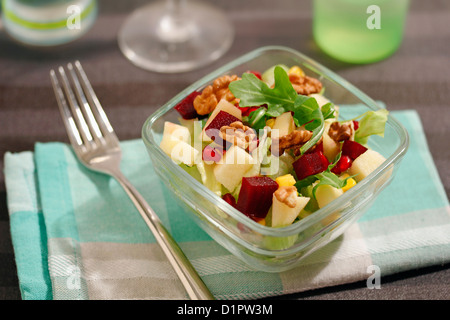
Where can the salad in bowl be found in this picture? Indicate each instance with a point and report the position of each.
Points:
(274, 155)
(271, 145)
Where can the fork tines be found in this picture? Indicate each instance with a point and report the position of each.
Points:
(86, 122)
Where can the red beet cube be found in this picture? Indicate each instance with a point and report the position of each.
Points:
(228, 197)
(255, 196)
(213, 129)
(352, 149)
(221, 119)
(310, 164)
(318, 147)
(186, 107)
(342, 165)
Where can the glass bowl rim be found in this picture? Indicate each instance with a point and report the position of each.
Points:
(318, 215)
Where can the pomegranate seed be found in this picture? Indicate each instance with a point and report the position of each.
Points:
(246, 110)
(342, 165)
(211, 154)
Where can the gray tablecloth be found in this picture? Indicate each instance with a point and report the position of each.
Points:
(416, 77)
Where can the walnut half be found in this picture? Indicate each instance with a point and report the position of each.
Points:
(305, 85)
(207, 101)
(238, 134)
(340, 131)
(295, 139)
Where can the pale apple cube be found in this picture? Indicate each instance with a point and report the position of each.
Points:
(326, 193)
(365, 164)
(178, 131)
(283, 125)
(321, 100)
(331, 148)
(183, 152)
(284, 215)
(190, 125)
(236, 163)
(172, 134)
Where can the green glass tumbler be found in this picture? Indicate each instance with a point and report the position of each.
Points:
(46, 23)
(359, 31)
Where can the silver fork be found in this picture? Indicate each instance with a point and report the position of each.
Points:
(97, 147)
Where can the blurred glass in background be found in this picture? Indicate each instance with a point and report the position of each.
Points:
(359, 31)
(47, 22)
(173, 36)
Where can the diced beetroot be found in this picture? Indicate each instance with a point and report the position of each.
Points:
(352, 149)
(221, 119)
(309, 164)
(318, 147)
(255, 196)
(186, 107)
(342, 165)
(213, 129)
(211, 154)
(228, 197)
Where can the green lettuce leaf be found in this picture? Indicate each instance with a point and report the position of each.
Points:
(371, 123)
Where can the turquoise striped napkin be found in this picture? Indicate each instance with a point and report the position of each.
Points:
(76, 235)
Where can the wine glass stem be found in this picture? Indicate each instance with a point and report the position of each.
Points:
(173, 26)
(175, 6)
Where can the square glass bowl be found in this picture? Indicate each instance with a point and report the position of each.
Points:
(266, 248)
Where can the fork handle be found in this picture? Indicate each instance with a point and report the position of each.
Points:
(189, 277)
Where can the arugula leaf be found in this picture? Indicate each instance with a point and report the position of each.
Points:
(280, 99)
(253, 92)
(257, 119)
(305, 182)
(307, 112)
(328, 111)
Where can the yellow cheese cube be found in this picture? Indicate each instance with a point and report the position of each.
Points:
(285, 181)
(296, 70)
(270, 122)
(350, 182)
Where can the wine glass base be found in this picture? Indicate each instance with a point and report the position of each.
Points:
(151, 41)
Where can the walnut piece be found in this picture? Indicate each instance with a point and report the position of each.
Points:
(305, 85)
(207, 101)
(287, 195)
(220, 87)
(340, 131)
(239, 134)
(295, 139)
